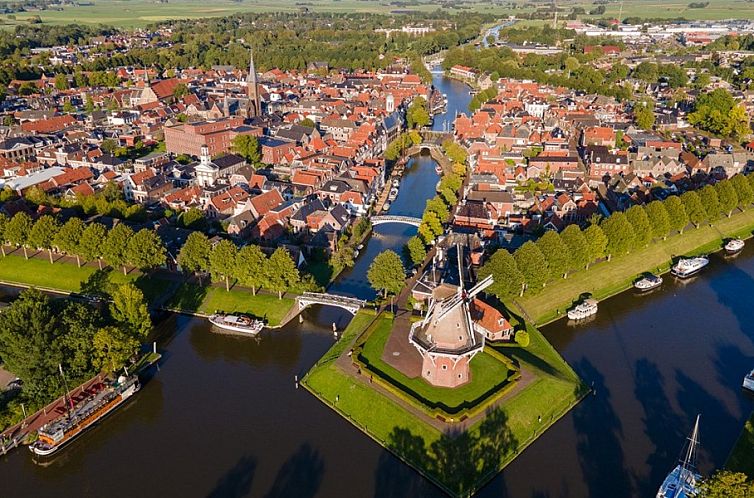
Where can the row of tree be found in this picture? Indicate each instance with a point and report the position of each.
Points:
(249, 265)
(119, 247)
(555, 255)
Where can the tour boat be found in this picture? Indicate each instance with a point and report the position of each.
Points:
(237, 323)
(583, 310)
(648, 283)
(683, 481)
(386, 206)
(687, 267)
(734, 246)
(101, 400)
(749, 381)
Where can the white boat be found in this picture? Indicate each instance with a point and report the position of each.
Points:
(583, 310)
(649, 282)
(687, 267)
(734, 246)
(683, 481)
(438, 170)
(396, 183)
(237, 323)
(386, 206)
(393, 194)
(749, 381)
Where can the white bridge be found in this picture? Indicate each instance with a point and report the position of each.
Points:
(406, 220)
(349, 304)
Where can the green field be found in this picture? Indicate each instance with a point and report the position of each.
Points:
(139, 13)
(741, 458)
(607, 278)
(490, 443)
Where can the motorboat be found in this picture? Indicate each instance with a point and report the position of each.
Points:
(386, 206)
(396, 183)
(683, 481)
(583, 310)
(237, 323)
(648, 283)
(749, 381)
(393, 194)
(687, 267)
(438, 169)
(734, 246)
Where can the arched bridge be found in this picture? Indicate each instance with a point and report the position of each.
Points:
(386, 218)
(349, 304)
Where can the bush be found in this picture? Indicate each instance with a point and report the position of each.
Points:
(522, 338)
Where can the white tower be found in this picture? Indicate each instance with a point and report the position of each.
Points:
(390, 103)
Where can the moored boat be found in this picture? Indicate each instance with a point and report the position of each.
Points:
(237, 323)
(438, 169)
(683, 481)
(393, 194)
(734, 246)
(648, 283)
(687, 267)
(386, 206)
(101, 400)
(583, 310)
(749, 381)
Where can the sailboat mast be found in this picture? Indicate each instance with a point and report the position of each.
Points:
(693, 442)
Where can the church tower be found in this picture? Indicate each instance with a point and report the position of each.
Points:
(253, 105)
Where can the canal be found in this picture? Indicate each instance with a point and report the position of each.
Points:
(223, 418)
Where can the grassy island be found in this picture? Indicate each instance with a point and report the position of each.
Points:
(515, 394)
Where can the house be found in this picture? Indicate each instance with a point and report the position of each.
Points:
(490, 322)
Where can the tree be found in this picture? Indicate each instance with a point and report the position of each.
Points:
(694, 209)
(437, 206)
(644, 115)
(727, 484)
(145, 250)
(426, 233)
(61, 82)
(659, 220)
(433, 222)
(508, 279)
(3, 238)
(677, 215)
(42, 234)
(113, 347)
(744, 192)
(282, 273)
(726, 195)
(556, 253)
(92, 240)
(17, 231)
(522, 338)
(415, 250)
(386, 273)
(571, 64)
(620, 234)
(247, 146)
(417, 115)
(710, 202)
(574, 239)
(222, 261)
(193, 218)
(115, 247)
(637, 217)
(180, 90)
(194, 255)
(307, 123)
(596, 242)
(250, 267)
(718, 112)
(129, 309)
(533, 266)
(69, 237)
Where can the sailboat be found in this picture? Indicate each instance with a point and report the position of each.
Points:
(683, 481)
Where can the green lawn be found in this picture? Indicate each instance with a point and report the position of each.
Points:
(492, 442)
(610, 277)
(488, 374)
(40, 273)
(207, 300)
(741, 459)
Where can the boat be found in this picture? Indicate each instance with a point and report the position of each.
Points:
(749, 381)
(438, 169)
(393, 194)
(386, 206)
(396, 183)
(734, 246)
(683, 481)
(237, 323)
(360, 247)
(583, 310)
(648, 283)
(687, 267)
(101, 400)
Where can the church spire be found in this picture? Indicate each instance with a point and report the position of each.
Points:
(252, 89)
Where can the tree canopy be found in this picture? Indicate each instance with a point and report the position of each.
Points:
(386, 273)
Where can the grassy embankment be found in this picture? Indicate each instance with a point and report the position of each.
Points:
(608, 278)
(741, 459)
(508, 428)
(65, 276)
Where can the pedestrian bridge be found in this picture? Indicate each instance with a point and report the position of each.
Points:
(386, 218)
(350, 304)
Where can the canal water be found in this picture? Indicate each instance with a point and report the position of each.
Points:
(223, 417)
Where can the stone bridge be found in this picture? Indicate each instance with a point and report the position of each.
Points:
(350, 304)
(406, 220)
(435, 151)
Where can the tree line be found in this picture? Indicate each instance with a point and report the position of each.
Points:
(118, 247)
(555, 255)
(248, 265)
